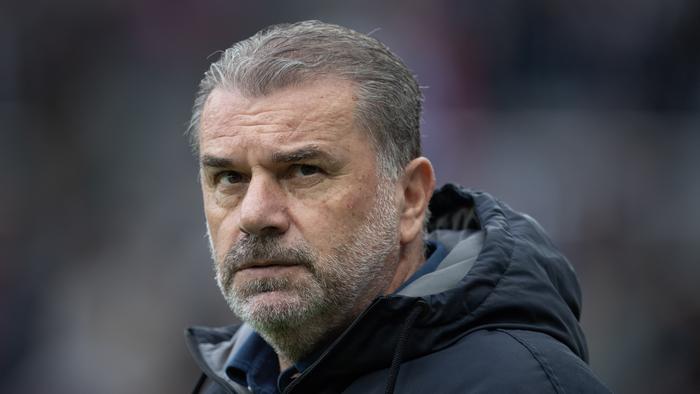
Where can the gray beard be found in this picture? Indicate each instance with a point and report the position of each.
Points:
(326, 300)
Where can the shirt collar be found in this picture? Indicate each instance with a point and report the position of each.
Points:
(254, 365)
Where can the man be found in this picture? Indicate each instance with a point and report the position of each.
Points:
(316, 197)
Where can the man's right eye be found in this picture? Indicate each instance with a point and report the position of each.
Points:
(228, 178)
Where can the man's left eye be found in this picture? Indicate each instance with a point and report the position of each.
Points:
(305, 170)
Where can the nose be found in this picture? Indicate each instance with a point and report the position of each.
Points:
(263, 210)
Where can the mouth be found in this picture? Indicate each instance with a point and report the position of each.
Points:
(267, 264)
(268, 270)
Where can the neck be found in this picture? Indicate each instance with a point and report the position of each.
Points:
(285, 363)
(411, 258)
(293, 343)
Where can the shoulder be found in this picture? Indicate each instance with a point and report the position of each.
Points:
(525, 352)
(494, 361)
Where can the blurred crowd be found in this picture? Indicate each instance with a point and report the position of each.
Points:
(584, 114)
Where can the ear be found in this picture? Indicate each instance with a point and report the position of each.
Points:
(418, 183)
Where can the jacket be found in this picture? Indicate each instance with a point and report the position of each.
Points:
(500, 314)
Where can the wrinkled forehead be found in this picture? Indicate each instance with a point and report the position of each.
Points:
(324, 105)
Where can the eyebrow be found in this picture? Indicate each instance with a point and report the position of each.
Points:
(305, 153)
(217, 162)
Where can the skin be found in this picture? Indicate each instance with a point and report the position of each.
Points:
(294, 163)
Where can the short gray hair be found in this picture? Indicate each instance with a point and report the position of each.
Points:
(389, 98)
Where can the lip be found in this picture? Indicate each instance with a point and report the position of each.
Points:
(268, 270)
(266, 264)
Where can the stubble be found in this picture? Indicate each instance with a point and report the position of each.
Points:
(326, 297)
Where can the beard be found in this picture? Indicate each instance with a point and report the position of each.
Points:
(294, 313)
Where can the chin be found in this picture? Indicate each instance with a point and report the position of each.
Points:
(275, 303)
(276, 308)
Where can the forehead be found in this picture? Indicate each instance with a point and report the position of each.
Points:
(324, 110)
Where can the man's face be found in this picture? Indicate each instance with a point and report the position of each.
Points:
(302, 227)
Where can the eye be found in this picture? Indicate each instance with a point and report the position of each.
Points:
(305, 170)
(228, 178)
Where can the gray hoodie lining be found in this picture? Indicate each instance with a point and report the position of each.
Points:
(216, 355)
(452, 268)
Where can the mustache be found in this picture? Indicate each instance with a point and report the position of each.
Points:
(255, 250)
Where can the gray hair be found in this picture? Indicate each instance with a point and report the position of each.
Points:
(389, 99)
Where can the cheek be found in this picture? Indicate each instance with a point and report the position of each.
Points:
(220, 226)
(360, 200)
(327, 222)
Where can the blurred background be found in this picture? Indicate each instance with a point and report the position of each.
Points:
(583, 113)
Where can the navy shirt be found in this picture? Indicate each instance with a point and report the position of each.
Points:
(255, 364)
